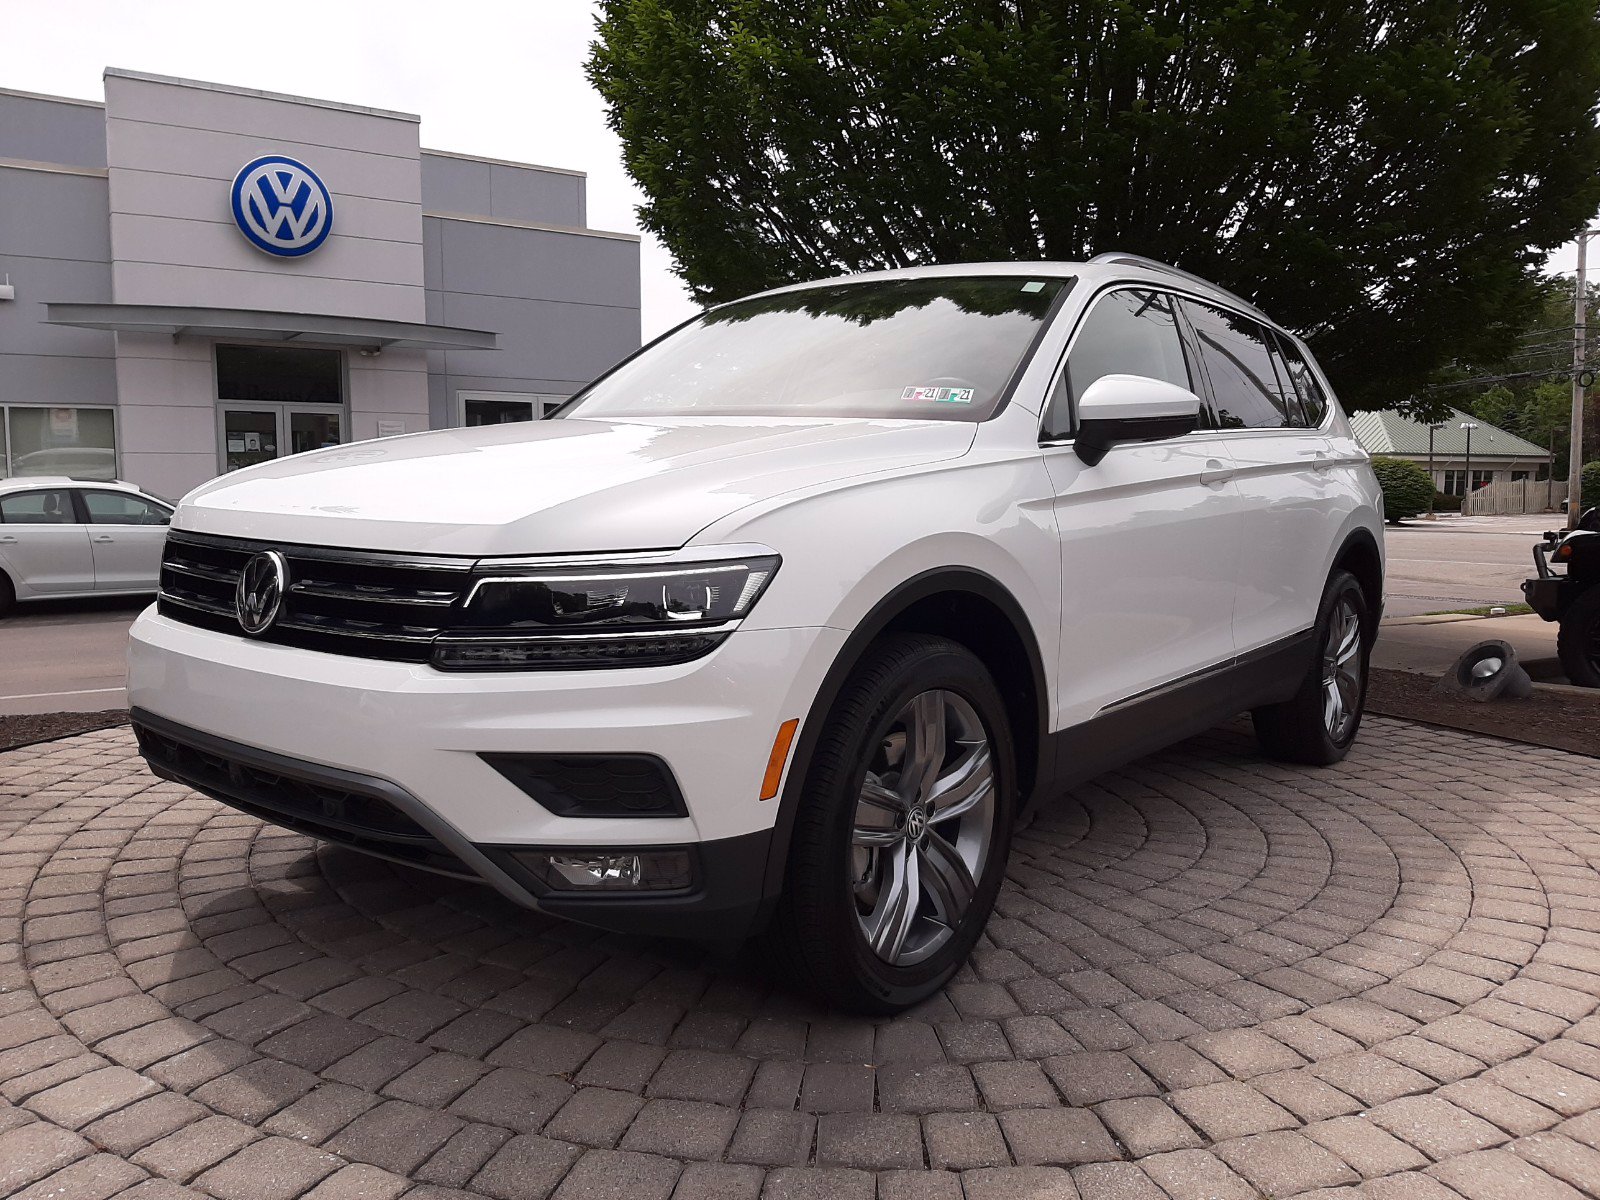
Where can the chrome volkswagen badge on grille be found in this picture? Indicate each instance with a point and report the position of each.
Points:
(259, 594)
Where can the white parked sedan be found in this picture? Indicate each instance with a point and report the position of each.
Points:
(65, 537)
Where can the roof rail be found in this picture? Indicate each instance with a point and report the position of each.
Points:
(1151, 264)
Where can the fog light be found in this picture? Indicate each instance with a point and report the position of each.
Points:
(609, 871)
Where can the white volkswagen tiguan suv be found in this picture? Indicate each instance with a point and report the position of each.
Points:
(781, 625)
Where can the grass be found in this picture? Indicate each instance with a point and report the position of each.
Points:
(1511, 610)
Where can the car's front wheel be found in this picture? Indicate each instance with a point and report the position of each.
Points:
(1319, 724)
(900, 843)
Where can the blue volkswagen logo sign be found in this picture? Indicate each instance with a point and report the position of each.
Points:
(281, 206)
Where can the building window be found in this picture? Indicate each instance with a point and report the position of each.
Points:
(1455, 482)
(80, 443)
(1519, 476)
(280, 374)
(502, 408)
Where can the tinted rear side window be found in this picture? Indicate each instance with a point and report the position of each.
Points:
(1313, 400)
(1238, 354)
(1131, 331)
(38, 508)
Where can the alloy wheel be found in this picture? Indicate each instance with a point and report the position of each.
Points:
(1341, 670)
(923, 827)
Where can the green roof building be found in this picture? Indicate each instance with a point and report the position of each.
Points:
(1496, 455)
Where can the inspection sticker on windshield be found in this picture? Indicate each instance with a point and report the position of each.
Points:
(941, 395)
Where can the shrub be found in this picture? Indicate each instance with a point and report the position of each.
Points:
(1406, 488)
(1444, 502)
(1589, 485)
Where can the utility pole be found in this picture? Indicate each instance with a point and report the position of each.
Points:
(1432, 429)
(1469, 426)
(1579, 320)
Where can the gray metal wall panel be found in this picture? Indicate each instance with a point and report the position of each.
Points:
(478, 188)
(522, 194)
(60, 380)
(548, 341)
(54, 245)
(48, 215)
(541, 339)
(53, 131)
(506, 260)
(458, 185)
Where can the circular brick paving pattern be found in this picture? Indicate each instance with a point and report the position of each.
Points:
(1208, 977)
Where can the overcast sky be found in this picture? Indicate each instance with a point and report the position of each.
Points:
(493, 77)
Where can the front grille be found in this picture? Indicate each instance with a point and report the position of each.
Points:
(352, 602)
(345, 815)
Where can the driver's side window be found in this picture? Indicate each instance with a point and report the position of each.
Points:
(1129, 331)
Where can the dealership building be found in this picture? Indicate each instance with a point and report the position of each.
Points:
(195, 278)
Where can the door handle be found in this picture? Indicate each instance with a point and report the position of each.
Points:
(8, 541)
(105, 537)
(1215, 472)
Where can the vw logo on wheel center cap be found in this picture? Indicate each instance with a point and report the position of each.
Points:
(916, 824)
(259, 593)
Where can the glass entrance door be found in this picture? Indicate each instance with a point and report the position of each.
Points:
(257, 433)
(249, 436)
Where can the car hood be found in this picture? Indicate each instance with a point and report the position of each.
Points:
(552, 487)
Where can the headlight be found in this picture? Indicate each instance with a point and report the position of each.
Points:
(602, 616)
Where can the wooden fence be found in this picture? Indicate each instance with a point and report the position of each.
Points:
(1514, 497)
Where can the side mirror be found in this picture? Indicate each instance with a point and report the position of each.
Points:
(1131, 408)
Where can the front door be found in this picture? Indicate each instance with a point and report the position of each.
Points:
(1150, 537)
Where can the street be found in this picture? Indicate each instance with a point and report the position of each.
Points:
(65, 655)
(1460, 562)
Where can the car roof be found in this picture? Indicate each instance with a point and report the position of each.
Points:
(22, 483)
(1102, 268)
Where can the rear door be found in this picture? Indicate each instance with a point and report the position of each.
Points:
(43, 545)
(1288, 492)
(126, 533)
(1149, 536)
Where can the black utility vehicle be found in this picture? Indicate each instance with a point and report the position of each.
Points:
(1572, 595)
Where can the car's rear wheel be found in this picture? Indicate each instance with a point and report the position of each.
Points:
(1578, 639)
(8, 594)
(900, 843)
(1319, 724)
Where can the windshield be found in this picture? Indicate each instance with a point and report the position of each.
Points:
(940, 349)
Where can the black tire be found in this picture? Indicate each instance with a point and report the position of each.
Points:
(8, 594)
(1298, 730)
(818, 937)
(1578, 639)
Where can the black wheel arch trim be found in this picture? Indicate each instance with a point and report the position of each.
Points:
(1360, 540)
(919, 587)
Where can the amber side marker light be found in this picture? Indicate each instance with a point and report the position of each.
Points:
(780, 755)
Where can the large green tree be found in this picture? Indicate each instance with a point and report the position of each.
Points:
(1384, 177)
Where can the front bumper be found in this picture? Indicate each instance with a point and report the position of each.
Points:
(305, 739)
